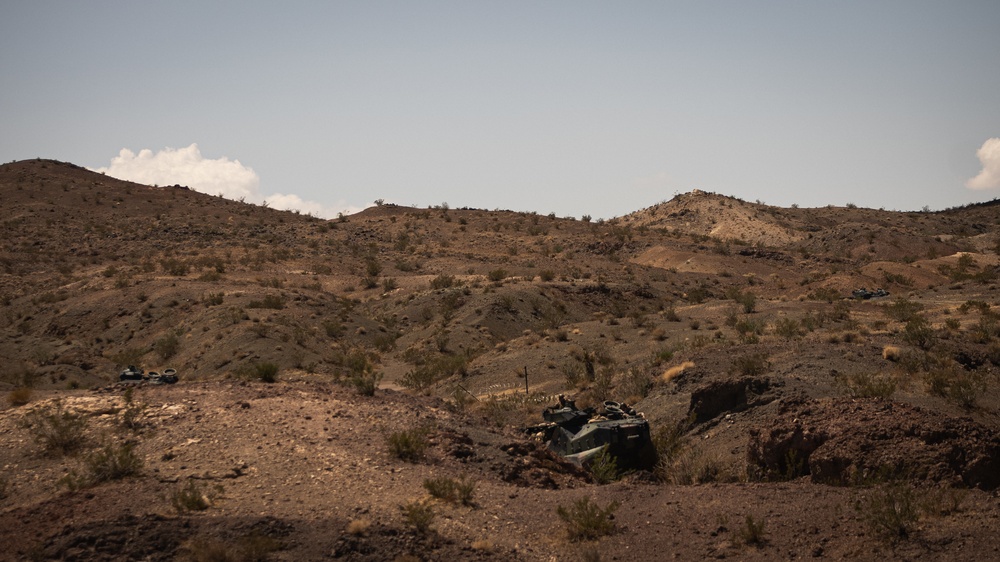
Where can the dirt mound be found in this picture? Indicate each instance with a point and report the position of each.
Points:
(847, 441)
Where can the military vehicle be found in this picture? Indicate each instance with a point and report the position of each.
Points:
(865, 294)
(135, 375)
(581, 435)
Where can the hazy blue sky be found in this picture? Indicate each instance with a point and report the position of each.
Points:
(576, 108)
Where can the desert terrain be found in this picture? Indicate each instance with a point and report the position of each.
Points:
(355, 388)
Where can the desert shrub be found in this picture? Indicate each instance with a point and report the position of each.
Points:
(19, 396)
(918, 332)
(670, 441)
(497, 275)
(4, 486)
(670, 315)
(419, 516)
(965, 388)
(175, 267)
(788, 328)
(902, 309)
(275, 302)
(112, 462)
(358, 527)
(749, 329)
(604, 467)
(434, 370)
(57, 430)
(250, 548)
(443, 281)
(131, 415)
(586, 520)
(890, 510)
(365, 383)
(899, 279)
(192, 497)
(635, 384)
(823, 294)
(451, 490)
(214, 299)
(694, 466)
(264, 371)
(546, 275)
(698, 295)
(751, 365)
(167, 346)
(892, 353)
(128, 356)
(745, 299)
(868, 385)
(753, 531)
(210, 276)
(987, 328)
(408, 444)
(333, 328)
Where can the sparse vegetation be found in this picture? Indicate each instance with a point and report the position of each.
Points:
(753, 532)
(450, 490)
(890, 510)
(58, 430)
(408, 444)
(868, 385)
(191, 496)
(418, 515)
(586, 520)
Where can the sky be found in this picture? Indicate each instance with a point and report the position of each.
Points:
(567, 107)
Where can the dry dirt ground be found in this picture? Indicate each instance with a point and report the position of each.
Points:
(792, 420)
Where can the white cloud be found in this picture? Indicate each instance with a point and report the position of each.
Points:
(186, 166)
(292, 202)
(989, 157)
(219, 176)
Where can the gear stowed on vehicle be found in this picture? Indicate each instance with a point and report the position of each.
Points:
(580, 435)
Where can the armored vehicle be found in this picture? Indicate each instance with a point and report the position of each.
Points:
(865, 294)
(579, 435)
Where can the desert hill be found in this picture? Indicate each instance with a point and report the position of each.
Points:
(729, 324)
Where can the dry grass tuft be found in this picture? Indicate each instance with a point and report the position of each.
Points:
(19, 396)
(358, 527)
(484, 545)
(892, 353)
(672, 372)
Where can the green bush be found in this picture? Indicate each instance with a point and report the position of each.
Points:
(918, 332)
(57, 430)
(868, 385)
(751, 365)
(131, 415)
(890, 510)
(275, 302)
(788, 328)
(408, 444)
(497, 275)
(902, 309)
(365, 383)
(418, 515)
(264, 371)
(167, 346)
(586, 520)
(450, 490)
(443, 281)
(110, 462)
(604, 467)
(752, 532)
(192, 497)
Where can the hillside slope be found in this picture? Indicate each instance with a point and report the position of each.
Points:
(728, 324)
